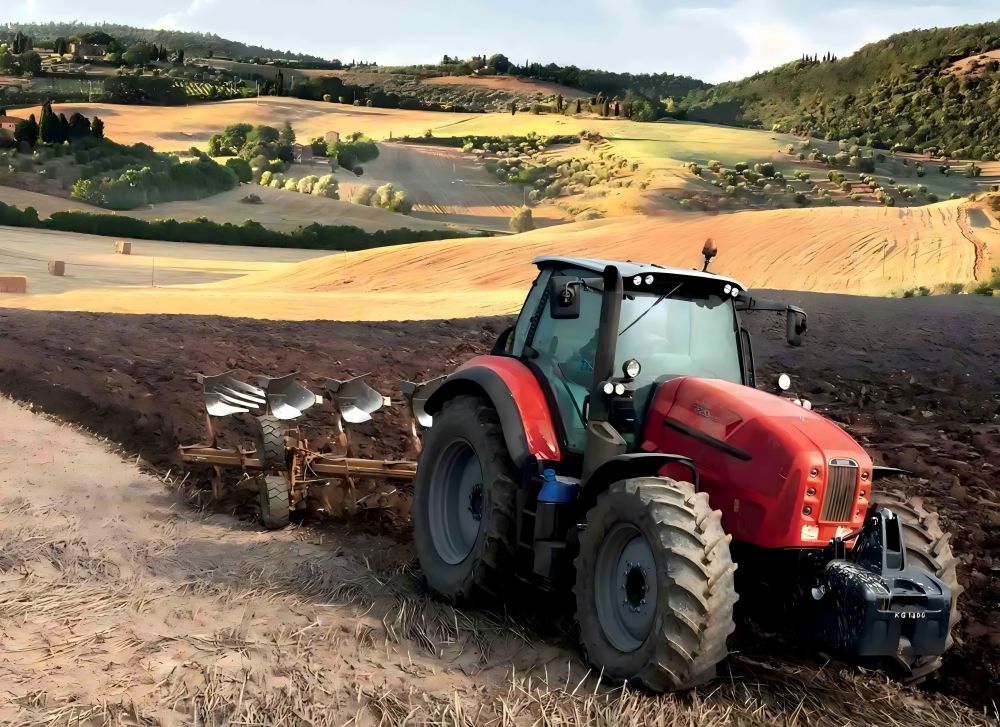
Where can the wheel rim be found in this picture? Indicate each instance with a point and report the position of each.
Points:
(456, 502)
(625, 587)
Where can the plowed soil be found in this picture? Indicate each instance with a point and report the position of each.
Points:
(916, 380)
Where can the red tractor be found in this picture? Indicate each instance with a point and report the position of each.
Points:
(615, 441)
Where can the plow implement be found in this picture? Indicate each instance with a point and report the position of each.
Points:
(282, 464)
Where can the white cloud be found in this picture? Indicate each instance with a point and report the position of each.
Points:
(176, 20)
(768, 44)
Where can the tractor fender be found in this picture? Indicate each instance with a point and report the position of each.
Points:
(515, 393)
(627, 466)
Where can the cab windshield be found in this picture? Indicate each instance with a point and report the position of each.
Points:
(685, 329)
(679, 335)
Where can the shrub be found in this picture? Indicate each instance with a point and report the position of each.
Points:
(306, 184)
(402, 202)
(983, 289)
(251, 199)
(291, 185)
(522, 220)
(362, 195)
(327, 186)
(352, 151)
(389, 198)
(241, 167)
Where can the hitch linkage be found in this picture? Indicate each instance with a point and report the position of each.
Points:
(871, 602)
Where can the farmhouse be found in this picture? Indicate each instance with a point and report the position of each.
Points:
(302, 152)
(8, 124)
(87, 50)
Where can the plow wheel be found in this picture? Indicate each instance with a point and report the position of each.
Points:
(463, 504)
(271, 443)
(928, 547)
(273, 496)
(654, 585)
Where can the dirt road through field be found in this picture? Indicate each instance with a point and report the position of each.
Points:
(121, 604)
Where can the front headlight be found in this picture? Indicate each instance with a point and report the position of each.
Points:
(631, 368)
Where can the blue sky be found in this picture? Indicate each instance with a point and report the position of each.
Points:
(716, 41)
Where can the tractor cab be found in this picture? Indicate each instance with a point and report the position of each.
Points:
(635, 326)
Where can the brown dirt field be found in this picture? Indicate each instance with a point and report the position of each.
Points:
(965, 66)
(507, 83)
(871, 251)
(902, 385)
(280, 209)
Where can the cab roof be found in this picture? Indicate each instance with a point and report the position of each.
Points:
(627, 268)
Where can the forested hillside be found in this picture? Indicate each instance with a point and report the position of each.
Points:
(896, 91)
(194, 43)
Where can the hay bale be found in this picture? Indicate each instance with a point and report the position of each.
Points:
(57, 268)
(123, 248)
(13, 284)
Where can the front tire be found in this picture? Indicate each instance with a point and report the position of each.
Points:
(463, 503)
(654, 585)
(928, 547)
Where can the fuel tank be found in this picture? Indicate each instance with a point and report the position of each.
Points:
(783, 476)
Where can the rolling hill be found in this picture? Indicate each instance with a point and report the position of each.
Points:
(894, 91)
(173, 39)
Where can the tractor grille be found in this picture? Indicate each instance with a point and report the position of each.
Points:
(838, 503)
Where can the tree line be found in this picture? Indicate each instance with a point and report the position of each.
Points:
(54, 128)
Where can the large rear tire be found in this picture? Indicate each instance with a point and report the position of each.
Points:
(654, 585)
(928, 547)
(463, 504)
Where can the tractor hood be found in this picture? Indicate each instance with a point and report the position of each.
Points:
(783, 476)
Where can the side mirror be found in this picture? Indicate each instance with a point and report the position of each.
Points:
(564, 297)
(795, 325)
(503, 341)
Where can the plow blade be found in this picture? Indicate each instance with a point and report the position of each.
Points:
(286, 397)
(225, 395)
(355, 399)
(417, 394)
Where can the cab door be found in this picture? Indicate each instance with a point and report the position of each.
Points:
(562, 352)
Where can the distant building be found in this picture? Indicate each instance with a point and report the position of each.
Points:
(302, 152)
(332, 137)
(8, 124)
(87, 50)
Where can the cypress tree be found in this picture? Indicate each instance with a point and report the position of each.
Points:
(79, 127)
(27, 132)
(48, 126)
(63, 129)
(97, 127)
